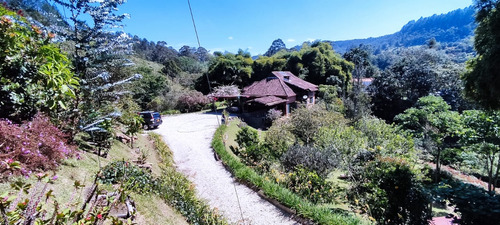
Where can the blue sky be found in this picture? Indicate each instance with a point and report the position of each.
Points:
(252, 25)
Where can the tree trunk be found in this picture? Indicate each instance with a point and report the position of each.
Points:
(438, 165)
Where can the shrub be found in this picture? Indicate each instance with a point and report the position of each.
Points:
(35, 74)
(389, 191)
(192, 101)
(308, 184)
(130, 176)
(28, 204)
(272, 115)
(37, 145)
(279, 138)
(475, 205)
(311, 158)
(250, 150)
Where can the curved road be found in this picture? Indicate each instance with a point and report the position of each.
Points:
(189, 137)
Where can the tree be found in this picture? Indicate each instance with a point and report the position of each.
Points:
(418, 73)
(483, 136)
(358, 101)
(34, 74)
(434, 124)
(97, 55)
(389, 190)
(263, 66)
(227, 69)
(482, 79)
(275, 47)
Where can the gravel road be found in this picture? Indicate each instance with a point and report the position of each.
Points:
(189, 137)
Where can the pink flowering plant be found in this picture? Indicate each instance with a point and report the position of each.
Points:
(35, 145)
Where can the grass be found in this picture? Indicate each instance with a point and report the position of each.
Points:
(317, 213)
(151, 209)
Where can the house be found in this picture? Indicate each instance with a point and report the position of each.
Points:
(281, 90)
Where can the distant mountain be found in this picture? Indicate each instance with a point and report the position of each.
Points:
(448, 29)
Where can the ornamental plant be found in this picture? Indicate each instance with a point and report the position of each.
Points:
(34, 74)
(33, 205)
(37, 145)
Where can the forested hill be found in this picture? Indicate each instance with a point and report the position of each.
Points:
(447, 29)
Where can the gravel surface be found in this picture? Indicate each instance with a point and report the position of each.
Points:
(189, 137)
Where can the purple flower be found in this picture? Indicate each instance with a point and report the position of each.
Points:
(54, 177)
(7, 148)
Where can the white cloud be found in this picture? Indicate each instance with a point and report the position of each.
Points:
(290, 40)
(311, 39)
(230, 37)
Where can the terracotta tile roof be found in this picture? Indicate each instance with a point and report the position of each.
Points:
(269, 87)
(269, 100)
(291, 79)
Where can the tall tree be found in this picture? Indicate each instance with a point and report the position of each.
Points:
(226, 69)
(418, 73)
(434, 124)
(483, 136)
(97, 55)
(482, 79)
(358, 101)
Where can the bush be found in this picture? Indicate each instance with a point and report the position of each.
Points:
(389, 191)
(35, 74)
(250, 150)
(192, 101)
(272, 115)
(130, 176)
(311, 158)
(475, 205)
(310, 185)
(37, 145)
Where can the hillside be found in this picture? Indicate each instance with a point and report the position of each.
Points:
(448, 29)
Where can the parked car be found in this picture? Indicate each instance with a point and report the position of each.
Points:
(151, 119)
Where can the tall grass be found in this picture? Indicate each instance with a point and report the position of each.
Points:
(179, 192)
(304, 208)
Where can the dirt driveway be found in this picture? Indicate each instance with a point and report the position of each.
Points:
(189, 137)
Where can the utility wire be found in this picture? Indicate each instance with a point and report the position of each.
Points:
(199, 46)
(194, 24)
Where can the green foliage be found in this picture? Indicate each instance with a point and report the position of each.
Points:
(434, 125)
(147, 88)
(311, 186)
(328, 95)
(387, 140)
(343, 141)
(263, 66)
(250, 150)
(319, 214)
(134, 126)
(480, 80)
(227, 69)
(475, 205)
(279, 138)
(33, 205)
(129, 176)
(482, 136)
(389, 191)
(306, 122)
(319, 161)
(417, 73)
(35, 75)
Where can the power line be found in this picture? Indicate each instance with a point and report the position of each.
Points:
(194, 24)
(199, 46)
